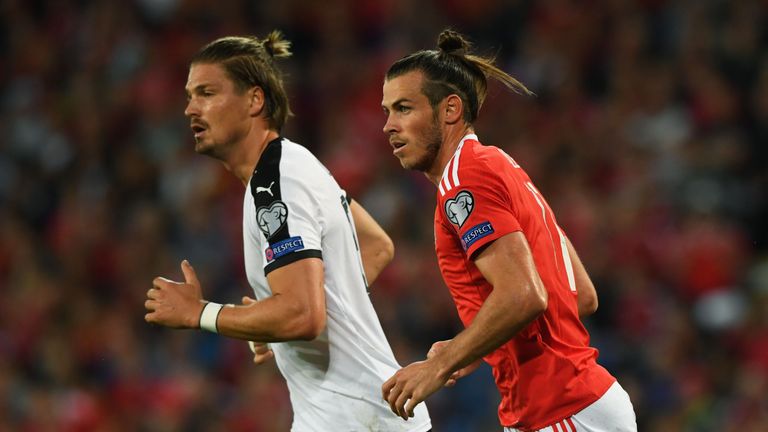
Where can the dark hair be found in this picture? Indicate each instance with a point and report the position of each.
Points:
(249, 62)
(451, 69)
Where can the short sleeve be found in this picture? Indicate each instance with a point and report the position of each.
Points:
(478, 207)
(288, 217)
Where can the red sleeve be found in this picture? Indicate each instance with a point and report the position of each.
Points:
(479, 208)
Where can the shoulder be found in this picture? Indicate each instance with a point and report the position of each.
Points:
(297, 152)
(472, 165)
(282, 152)
(303, 167)
(283, 163)
(272, 172)
(480, 158)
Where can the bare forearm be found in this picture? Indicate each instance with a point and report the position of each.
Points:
(273, 319)
(374, 261)
(585, 291)
(376, 248)
(518, 297)
(498, 321)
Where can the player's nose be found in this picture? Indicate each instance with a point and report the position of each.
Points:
(390, 126)
(191, 110)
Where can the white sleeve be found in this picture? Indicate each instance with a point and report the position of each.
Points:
(288, 217)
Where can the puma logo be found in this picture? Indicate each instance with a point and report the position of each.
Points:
(267, 189)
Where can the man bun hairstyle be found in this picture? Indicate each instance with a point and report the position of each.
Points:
(276, 46)
(451, 42)
(249, 62)
(453, 69)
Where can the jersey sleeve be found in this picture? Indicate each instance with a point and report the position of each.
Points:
(477, 206)
(287, 215)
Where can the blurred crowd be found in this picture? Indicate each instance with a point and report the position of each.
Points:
(648, 134)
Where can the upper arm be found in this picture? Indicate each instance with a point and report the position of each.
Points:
(518, 298)
(507, 264)
(300, 285)
(376, 248)
(286, 224)
(478, 207)
(585, 290)
(369, 232)
(286, 216)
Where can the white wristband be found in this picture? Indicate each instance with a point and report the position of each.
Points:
(209, 316)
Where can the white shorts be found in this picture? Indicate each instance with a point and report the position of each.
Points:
(612, 412)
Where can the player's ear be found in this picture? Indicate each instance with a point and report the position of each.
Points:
(453, 108)
(256, 100)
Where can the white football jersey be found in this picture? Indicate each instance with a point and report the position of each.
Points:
(294, 209)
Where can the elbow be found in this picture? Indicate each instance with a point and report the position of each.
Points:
(386, 250)
(588, 307)
(309, 334)
(539, 300)
(306, 326)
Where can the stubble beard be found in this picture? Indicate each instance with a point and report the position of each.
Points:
(210, 148)
(207, 149)
(434, 139)
(202, 148)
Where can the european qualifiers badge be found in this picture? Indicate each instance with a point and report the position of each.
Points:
(458, 209)
(272, 218)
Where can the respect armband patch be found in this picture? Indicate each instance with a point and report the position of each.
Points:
(283, 247)
(476, 233)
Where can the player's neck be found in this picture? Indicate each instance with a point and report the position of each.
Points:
(243, 160)
(451, 140)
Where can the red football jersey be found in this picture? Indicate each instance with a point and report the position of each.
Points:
(548, 371)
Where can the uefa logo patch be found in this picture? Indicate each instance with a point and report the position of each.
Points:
(272, 218)
(458, 209)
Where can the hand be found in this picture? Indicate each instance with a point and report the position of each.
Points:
(175, 304)
(411, 385)
(260, 350)
(436, 348)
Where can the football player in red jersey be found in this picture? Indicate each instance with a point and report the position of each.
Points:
(518, 285)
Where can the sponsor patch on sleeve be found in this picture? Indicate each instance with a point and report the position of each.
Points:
(283, 247)
(476, 233)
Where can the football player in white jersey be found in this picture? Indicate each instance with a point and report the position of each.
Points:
(310, 253)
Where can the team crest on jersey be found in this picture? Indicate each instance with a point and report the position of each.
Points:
(459, 208)
(272, 218)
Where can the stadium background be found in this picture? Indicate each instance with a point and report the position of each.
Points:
(648, 136)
